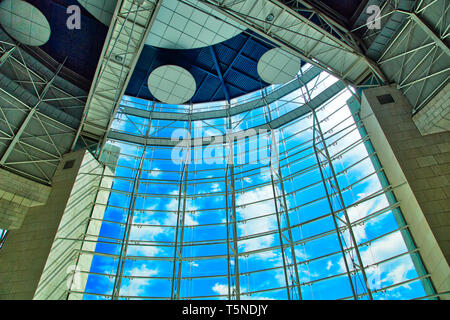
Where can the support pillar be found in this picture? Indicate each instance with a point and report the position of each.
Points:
(419, 169)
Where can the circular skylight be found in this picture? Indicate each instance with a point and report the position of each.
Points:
(182, 26)
(172, 84)
(103, 10)
(277, 66)
(24, 22)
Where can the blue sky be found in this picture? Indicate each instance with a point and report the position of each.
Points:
(262, 274)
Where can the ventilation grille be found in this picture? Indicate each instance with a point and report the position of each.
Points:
(385, 99)
(69, 164)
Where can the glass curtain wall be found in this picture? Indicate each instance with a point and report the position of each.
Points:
(302, 211)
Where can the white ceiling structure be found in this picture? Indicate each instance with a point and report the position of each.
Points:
(39, 112)
(103, 10)
(331, 46)
(277, 66)
(190, 24)
(24, 22)
(172, 84)
(178, 25)
(418, 58)
(128, 31)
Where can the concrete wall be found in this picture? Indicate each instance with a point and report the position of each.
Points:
(63, 266)
(35, 260)
(435, 116)
(419, 167)
(17, 195)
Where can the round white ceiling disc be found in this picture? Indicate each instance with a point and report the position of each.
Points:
(24, 22)
(103, 10)
(182, 26)
(277, 66)
(172, 84)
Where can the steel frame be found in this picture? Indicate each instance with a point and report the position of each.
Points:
(35, 155)
(334, 185)
(181, 221)
(126, 37)
(282, 214)
(418, 77)
(129, 222)
(331, 37)
(234, 286)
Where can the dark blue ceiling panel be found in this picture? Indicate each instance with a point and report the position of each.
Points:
(81, 47)
(237, 59)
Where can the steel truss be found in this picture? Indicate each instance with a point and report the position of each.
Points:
(35, 130)
(130, 26)
(319, 45)
(334, 194)
(288, 265)
(417, 59)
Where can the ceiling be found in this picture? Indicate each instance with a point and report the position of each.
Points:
(68, 89)
(82, 49)
(237, 57)
(234, 60)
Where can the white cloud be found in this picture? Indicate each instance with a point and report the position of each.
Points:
(189, 216)
(248, 180)
(379, 250)
(137, 287)
(329, 265)
(300, 253)
(155, 173)
(215, 187)
(221, 289)
(249, 211)
(399, 272)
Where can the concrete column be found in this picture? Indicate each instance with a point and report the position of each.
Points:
(419, 167)
(17, 195)
(435, 116)
(38, 260)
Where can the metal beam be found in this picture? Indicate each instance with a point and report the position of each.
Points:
(282, 211)
(219, 73)
(129, 29)
(6, 55)
(318, 135)
(231, 218)
(275, 95)
(28, 118)
(298, 112)
(428, 30)
(301, 37)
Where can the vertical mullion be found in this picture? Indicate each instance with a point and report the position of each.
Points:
(130, 217)
(181, 215)
(341, 199)
(276, 171)
(232, 212)
(129, 223)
